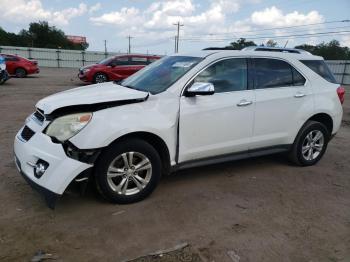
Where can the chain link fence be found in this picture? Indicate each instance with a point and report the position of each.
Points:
(75, 59)
(341, 70)
(57, 57)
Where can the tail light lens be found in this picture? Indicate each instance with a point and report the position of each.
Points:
(341, 94)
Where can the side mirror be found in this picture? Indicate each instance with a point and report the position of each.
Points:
(200, 88)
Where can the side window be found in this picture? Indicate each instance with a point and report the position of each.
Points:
(138, 61)
(11, 58)
(298, 79)
(320, 68)
(119, 61)
(226, 76)
(270, 73)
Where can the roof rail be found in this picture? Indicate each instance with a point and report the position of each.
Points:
(276, 49)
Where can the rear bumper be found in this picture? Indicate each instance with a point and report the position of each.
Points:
(61, 169)
(33, 70)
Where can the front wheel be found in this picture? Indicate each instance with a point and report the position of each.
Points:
(128, 171)
(310, 144)
(100, 78)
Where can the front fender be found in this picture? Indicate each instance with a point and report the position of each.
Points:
(155, 116)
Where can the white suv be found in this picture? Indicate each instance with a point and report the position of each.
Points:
(181, 111)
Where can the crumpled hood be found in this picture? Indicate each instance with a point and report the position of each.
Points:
(89, 95)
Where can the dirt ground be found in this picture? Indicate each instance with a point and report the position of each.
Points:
(261, 209)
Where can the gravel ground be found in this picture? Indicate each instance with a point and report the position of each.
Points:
(261, 209)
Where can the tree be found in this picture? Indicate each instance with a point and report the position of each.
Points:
(329, 51)
(240, 44)
(41, 35)
(271, 43)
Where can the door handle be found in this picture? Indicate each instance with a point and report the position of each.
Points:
(299, 95)
(244, 103)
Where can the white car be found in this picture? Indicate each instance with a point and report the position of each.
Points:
(181, 111)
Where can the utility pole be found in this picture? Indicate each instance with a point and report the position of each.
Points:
(178, 36)
(105, 48)
(129, 49)
(175, 44)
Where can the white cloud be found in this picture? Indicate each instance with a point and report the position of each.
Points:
(125, 15)
(95, 8)
(274, 17)
(345, 41)
(33, 10)
(160, 17)
(212, 24)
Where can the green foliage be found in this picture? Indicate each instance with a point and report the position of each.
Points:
(240, 44)
(329, 51)
(271, 43)
(41, 35)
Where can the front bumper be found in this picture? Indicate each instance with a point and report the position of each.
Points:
(60, 172)
(83, 77)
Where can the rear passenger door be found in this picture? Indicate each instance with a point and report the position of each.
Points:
(283, 100)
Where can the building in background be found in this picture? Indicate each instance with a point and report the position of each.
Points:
(77, 39)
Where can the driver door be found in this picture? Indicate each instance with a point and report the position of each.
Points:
(221, 123)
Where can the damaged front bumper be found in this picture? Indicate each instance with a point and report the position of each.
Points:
(59, 170)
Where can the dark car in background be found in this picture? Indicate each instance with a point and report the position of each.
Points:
(20, 66)
(115, 68)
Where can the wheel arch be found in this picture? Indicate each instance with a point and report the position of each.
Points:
(20, 67)
(325, 119)
(154, 140)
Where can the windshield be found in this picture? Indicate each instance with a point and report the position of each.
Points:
(160, 75)
(106, 61)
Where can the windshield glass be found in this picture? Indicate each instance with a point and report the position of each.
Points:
(106, 61)
(160, 75)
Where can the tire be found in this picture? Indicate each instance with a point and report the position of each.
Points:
(310, 144)
(100, 78)
(20, 72)
(123, 183)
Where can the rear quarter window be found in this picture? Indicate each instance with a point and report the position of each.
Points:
(320, 68)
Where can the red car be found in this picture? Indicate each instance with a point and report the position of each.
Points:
(115, 68)
(20, 66)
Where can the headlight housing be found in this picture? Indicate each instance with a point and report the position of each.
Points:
(86, 70)
(65, 127)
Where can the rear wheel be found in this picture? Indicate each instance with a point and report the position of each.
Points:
(128, 171)
(20, 72)
(100, 78)
(310, 144)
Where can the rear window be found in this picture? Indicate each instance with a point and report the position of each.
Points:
(320, 68)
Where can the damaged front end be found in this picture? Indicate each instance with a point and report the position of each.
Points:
(49, 163)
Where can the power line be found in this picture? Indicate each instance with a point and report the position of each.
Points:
(274, 37)
(263, 35)
(284, 27)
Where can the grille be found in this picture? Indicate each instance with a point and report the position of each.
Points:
(39, 116)
(27, 133)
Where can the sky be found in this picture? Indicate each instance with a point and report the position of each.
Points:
(205, 22)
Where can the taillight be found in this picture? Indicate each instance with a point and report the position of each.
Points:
(341, 94)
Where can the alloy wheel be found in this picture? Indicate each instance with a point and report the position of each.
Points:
(100, 78)
(129, 173)
(312, 145)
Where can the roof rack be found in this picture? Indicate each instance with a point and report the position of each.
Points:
(276, 49)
